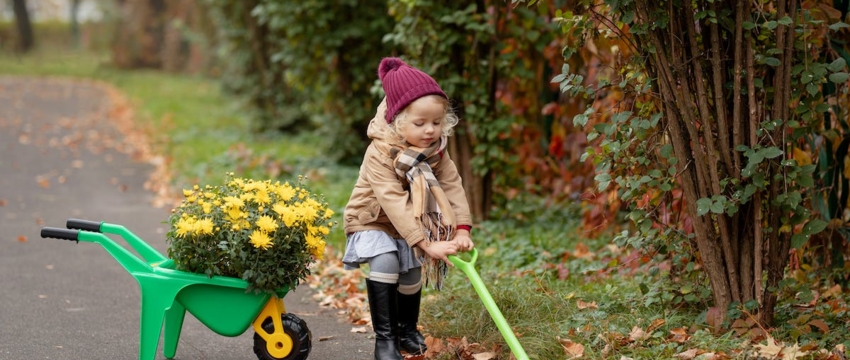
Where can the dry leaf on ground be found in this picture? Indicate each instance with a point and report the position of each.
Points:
(573, 350)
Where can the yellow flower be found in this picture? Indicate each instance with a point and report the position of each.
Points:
(329, 213)
(308, 212)
(235, 214)
(207, 207)
(267, 224)
(204, 226)
(262, 197)
(246, 197)
(285, 192)
(317, 245)
(324, 230)
(185, 226)
(187, 193)
(260, 240)
(287, 214)
(234, 201)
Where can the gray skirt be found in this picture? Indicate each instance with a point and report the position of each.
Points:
(364, 245)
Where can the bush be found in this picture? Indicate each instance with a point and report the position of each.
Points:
(265, 233)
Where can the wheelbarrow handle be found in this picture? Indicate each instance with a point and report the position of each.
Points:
(86, 225)
(59, 233)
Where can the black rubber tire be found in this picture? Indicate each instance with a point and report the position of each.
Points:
(293, 326)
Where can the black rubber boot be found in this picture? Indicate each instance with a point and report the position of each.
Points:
(383, 304)
(409, 338)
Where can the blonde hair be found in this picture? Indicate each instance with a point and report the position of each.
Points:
(394, 131)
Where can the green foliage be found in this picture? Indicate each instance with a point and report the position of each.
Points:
(305, 63)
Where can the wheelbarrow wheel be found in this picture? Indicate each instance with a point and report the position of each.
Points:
(295, 328)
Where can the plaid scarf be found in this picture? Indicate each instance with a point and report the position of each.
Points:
(431, 208)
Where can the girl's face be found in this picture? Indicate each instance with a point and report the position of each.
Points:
(424, 123)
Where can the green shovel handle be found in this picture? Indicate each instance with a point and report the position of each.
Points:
(468, 268)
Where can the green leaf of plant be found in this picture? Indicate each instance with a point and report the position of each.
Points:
(667, 150)
(798, 240)
(812, 89)
(717, 207)
(770, 152)
(837, 26)
(703, 206)
(772, 61)
(814, 226)
(839, 77)
(837, 65)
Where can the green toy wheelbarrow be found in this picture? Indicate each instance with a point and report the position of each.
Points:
(468, 268)
(221, 303)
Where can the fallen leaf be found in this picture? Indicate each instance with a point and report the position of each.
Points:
(61, 179)
(325, 338)
(573, 349)
(657, 323)
(679, 335)
(714, 318)
(77, 164)
(39, 221)
(582, 252)
(637, 334)
(686, 355)
(484, 356)
(359, 330)
(22, 238)
(48, 267)
(585, 305)
(2, 202)
(821, 325)
(42, 296)
(775, 350)
(43, 182)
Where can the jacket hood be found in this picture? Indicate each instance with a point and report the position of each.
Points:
(378, 126)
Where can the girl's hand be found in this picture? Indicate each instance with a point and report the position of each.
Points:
(440, 250)
(464, 242)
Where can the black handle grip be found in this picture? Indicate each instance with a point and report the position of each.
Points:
(86, 225)
(58, 233)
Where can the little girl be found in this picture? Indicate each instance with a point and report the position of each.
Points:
(408, 210)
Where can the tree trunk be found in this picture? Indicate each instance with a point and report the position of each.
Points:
(26, 39)
(75, 22)
(692, 65)
(140, 34)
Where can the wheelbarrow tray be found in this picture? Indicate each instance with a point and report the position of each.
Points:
(219, 302)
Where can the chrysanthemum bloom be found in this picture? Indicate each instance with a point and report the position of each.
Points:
(267, 224)
(260, 240)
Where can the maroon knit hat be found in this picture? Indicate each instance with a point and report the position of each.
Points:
(403, 84)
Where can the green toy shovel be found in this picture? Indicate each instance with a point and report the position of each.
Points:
(468, 268)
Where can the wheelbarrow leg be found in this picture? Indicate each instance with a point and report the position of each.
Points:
(173, 325)
(157, 295)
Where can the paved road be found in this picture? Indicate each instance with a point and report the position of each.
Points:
(62, 300)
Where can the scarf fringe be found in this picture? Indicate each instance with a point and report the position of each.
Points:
(434, 271)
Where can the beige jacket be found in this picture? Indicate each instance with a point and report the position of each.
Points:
(380, 200)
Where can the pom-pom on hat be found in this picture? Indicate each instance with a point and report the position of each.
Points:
(403, 84)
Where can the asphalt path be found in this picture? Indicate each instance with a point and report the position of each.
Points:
(60, 158)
